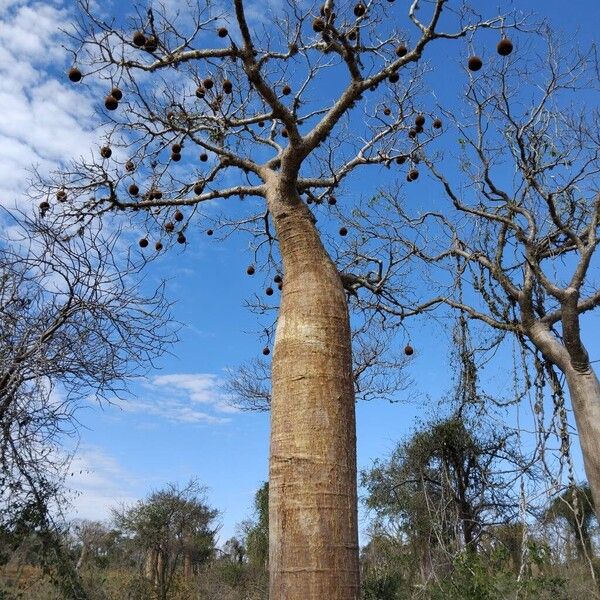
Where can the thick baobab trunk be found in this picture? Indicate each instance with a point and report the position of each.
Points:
(313, 544)
(584, 389)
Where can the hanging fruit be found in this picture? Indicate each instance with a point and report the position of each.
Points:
(475, 63)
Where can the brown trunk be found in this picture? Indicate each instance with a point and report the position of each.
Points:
(584, 389)
(313, 543)
(151, 557)
(187, 565)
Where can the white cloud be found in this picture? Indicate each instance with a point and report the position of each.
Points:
(44, 119)
(177, 397)
(100, 484)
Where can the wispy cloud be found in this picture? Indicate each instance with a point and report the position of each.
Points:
(100, 483)
(183, 398)
(44, 120)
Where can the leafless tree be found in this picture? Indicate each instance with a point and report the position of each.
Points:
(74, 324)
(514, 247)
(272, 112)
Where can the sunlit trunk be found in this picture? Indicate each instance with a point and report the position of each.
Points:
(313, 545)
(584, 389)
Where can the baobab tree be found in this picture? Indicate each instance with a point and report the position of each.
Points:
(209, 104)
(514, 245)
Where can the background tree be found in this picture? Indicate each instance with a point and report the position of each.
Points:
(257, 532)
(74, 323)
(270, 113)
(174, 527)
(575, 506)
(515, 245)
(441, 490)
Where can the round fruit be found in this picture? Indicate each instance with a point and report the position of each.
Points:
(208, 83)
(178, 216)
(277, 278)
(129, 166)
(157, 194)
(261, 123)
(401, 51)
(251, 270)
(139, 39)
(175, 157)
(204, 157)
(266, 351)
(44, 206)
(412, 133)
(209, 232)
(401, 160)
(158, 246)
(318, 25)
(200, 92)
(505, 47)
(280, 286)
(475, 63)
(332, 200)
(143, 243)
(116, 93)
(419, 129)
(176, 148)
(394, 78)
(343, 231)
(105, 152)
(75, 74)
(360, 9)
(222, 32)
(413, 174)
(409, 351)
(286, 90)
(227, 86)
(61, 195)
(269, 291)
(151, 44)
(111, 103)
(387, 111)
(437, 124)
(420, 120)
(284, 132)
(181, 238)
(134, 190)
(198, 189)
(352, 35)
(169, 227)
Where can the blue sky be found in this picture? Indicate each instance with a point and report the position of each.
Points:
(177, 424)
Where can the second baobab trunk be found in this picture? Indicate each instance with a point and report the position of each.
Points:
(313, 540)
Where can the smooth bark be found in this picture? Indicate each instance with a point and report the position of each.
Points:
(313, 551)
(584, 389)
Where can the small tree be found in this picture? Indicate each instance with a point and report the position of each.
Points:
(440, 490)
(174, 527)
